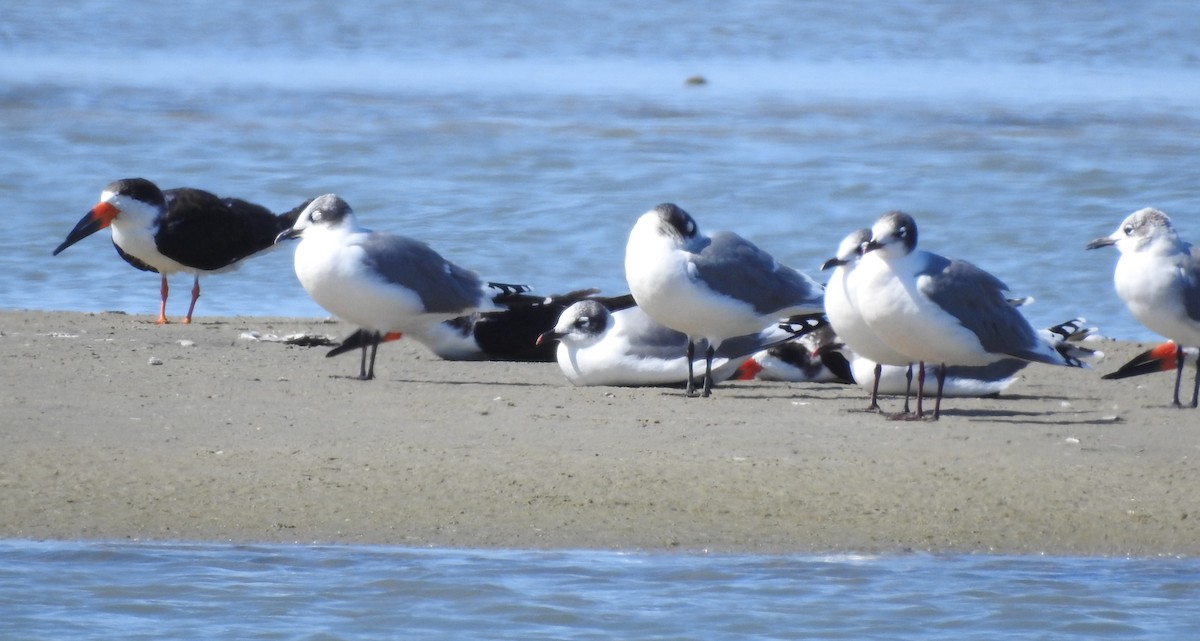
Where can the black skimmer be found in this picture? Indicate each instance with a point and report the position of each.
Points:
(508, 334)
(810, 359)
(710, 287)
(179, 230)
(1163, 357)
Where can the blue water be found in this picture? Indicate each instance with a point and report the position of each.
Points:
(522, 140)
(85, 591)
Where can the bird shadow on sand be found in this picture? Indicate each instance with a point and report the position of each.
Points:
(772, 391)
(428, 381)
(1029, 417)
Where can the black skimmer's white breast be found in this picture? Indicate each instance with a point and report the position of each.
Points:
(1158, 277)
(179, 230)
(940, 311)
(380, 282)
(710, 287)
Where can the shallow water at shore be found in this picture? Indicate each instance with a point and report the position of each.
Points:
(185, 591)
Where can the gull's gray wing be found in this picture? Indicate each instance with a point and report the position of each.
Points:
(650, 339)
(442, 286)
(1191, 281)
(976, 298)
(731, 265)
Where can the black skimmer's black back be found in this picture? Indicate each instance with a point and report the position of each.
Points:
(180, 230)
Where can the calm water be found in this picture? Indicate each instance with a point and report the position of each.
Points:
(522, 140)
(136, 591)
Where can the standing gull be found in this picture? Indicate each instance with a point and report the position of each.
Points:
(381, 282)
(842, 308)
(179, 230)
(709, 287)
(1158, 277)
(990, 379)
(936, 310)
(827, 359)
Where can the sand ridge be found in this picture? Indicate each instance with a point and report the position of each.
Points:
(115, 428)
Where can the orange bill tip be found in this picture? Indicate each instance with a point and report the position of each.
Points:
(748, 370)
(104, 213)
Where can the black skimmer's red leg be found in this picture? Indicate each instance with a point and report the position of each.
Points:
(180, 230)
(162, 308)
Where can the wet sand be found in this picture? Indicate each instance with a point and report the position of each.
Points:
(115, 428)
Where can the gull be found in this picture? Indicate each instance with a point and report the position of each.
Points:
(822, 357)
(986, 380)
(1158, 277)
(597, 346)
(936, 310)
(842, 309)
(378, 281)
(709, 287)
(626, 347)
(179, 230)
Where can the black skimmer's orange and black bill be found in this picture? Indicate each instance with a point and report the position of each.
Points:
(508, 334)
(179, 230)
(381, 282)
(1163, 357)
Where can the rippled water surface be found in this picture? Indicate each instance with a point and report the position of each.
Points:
(151, 591)
(523, 140)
